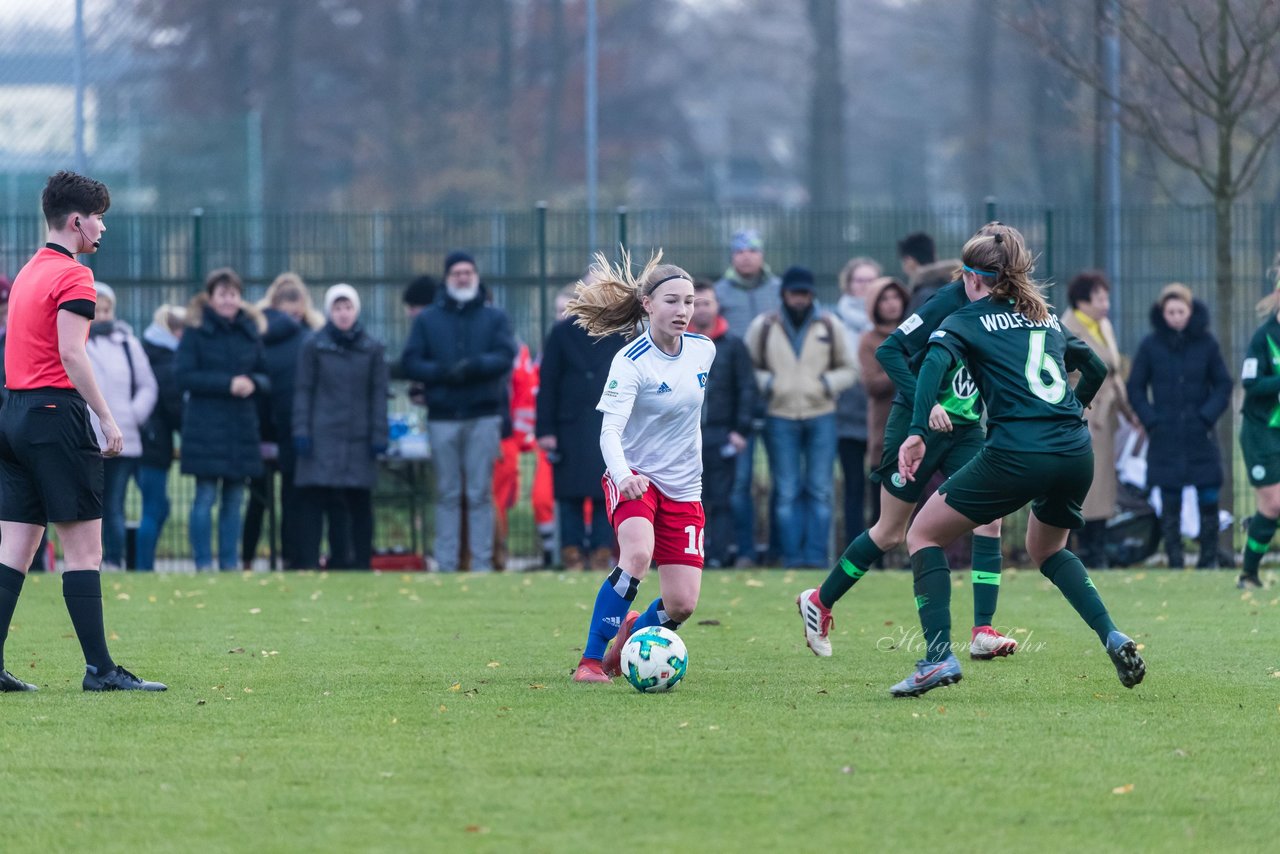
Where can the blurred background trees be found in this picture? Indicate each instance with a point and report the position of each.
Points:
(377, 104)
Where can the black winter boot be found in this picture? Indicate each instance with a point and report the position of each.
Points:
(1171, 528)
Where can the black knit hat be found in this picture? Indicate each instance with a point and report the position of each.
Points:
(797, 279)
(457, 257)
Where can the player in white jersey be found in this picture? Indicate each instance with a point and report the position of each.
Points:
(651, 439)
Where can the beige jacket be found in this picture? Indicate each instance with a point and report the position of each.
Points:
(804, 385)
(1109, 403)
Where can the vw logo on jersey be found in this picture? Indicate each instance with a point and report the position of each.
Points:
(1258, 472)
(962, 384)
(898, 480)
(702, 380)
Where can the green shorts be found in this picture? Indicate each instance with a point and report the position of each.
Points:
(944, 452)
(998, 482)
(1261, 448)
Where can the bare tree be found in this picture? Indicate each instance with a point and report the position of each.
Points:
(1202, 86)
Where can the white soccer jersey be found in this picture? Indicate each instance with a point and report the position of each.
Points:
(661, 398)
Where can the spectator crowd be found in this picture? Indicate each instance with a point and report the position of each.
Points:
(285, 403)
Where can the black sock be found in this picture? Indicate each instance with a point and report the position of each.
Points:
(82, 590)
(10, 587)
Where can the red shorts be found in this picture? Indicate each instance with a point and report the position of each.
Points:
(677, 525)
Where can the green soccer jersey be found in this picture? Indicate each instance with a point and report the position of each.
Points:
(1020, 368)
(959, 395)
(1260, 376)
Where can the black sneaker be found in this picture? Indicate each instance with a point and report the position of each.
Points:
(1249, 582)
(117, 679)
(9, 682)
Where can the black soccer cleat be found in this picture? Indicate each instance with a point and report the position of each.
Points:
(117, 679)
(9, 682)
(1124, 655)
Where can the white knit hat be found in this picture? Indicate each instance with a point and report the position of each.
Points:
(340, 291)
(105, 290)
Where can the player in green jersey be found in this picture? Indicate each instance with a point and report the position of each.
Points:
(1260, 435)
(954, 417)
(1038, 449)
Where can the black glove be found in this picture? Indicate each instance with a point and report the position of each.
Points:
(462, 370)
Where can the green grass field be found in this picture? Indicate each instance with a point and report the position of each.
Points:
(392, 713)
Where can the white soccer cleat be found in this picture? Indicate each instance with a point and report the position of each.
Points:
(987, 643)
(817, 622)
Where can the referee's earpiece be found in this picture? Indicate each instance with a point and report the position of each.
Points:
(77, 222)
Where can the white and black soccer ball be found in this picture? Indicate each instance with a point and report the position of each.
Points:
(654, 660)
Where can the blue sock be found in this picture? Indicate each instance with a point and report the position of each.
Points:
(612, 603)
(656, 615)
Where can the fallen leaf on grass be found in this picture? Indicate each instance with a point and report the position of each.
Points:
(200, 702)
(443, 708)
(754, 582)
(151, 599)
(123, 597)
(248, 690)
(708, 622)
(113, 636)
(493, 664)
(1122, 790)
(536, 686)
(477, 828)
(255, 610)
(848, 769)
(456, 686)
(235, 651)
(386, 775)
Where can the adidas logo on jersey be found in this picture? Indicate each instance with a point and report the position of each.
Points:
(612, 621)
(664, 389)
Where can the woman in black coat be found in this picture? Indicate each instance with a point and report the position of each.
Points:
(339, 429)
(573, 372)
(220, 367)
(290, 318)
(1179, 387)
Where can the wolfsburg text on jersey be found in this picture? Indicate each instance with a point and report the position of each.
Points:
(997, 322)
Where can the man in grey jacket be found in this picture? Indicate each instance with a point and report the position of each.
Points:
(745, 291)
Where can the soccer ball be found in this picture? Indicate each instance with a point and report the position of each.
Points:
(654, 660)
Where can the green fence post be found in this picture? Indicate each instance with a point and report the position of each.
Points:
(1048, 256)
(540, 218)
(197, 244)
(622, 230)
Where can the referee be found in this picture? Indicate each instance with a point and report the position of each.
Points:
(50, 462)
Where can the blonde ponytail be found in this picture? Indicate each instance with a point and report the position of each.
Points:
(608, 299)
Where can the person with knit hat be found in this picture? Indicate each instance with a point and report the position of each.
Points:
(1179, 387)
(124, 374)
(803, 362)
(339, 430)
(747, 290)
(461, 350)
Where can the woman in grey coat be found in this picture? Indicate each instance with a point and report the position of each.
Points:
(339, 429)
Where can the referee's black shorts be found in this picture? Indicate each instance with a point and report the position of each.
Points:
(50, 462)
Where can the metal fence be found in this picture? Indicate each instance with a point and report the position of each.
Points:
(526, 256)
